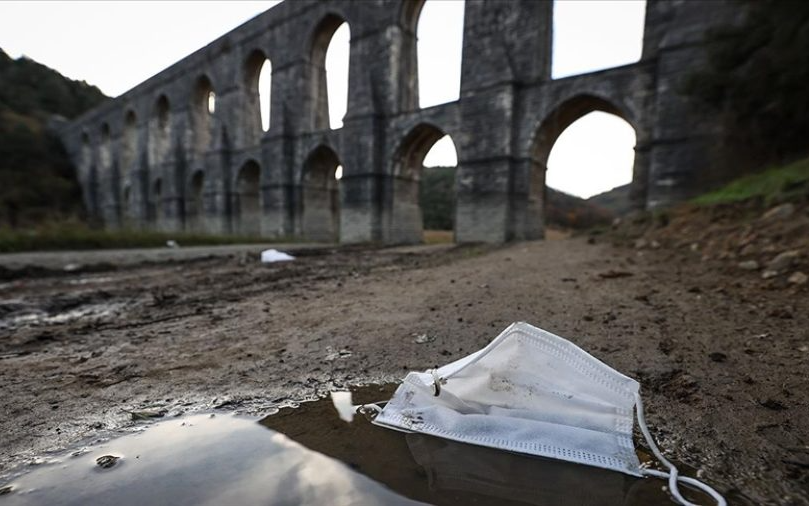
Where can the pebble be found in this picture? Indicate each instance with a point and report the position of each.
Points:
(769, 274)
(779, 212)
(798, 278)
(749, 265)
(783, 261)
(107, 461)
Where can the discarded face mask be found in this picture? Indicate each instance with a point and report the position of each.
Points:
(530, 391)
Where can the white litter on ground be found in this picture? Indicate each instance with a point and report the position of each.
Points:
(269, 256)
(342, 403)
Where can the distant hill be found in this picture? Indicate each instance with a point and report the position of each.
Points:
(615, 200)
(37, 182)
(568, 211)
(562, 210)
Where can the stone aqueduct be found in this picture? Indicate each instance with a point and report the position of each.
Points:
(156, 158)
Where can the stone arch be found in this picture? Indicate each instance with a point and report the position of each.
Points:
(160, 131)
(88, 175)
(195, 203)
(546, 134)
(320, 196)
(318, 87)
(203, 108)
(157, 199)
(247, 206)
(408, 159)
(129, 143)
(257, 113)
(565, 114)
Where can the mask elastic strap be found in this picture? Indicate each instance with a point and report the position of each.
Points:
(674, 474)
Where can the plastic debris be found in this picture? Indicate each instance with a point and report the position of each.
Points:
(269, 256)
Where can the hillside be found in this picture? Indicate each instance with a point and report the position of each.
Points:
(615, 200)
(37, 181)
(755, 228)
(562, 210)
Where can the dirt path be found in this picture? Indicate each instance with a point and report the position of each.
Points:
(722, 363)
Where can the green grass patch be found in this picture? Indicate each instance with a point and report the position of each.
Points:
(773, 184)
(76, 236)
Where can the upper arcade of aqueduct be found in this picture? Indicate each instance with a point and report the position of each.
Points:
(160, 157)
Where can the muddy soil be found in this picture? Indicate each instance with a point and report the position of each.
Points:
(722, 361)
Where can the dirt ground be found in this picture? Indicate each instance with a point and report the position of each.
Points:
(721, 360)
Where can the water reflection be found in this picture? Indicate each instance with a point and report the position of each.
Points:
(443, 472)
(199, 460)
(310, 456)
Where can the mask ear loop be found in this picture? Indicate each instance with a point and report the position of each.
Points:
(674, 474)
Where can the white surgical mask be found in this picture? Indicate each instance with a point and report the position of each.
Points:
(530, 391)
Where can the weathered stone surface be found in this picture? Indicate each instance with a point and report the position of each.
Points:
(156, 158)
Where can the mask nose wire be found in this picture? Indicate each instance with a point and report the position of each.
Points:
(674, 474)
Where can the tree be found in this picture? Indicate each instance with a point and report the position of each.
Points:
(757, 80)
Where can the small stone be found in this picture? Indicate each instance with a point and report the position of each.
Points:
(107, 461)
(779, 212)
(654, 245)
(783, 261)
(612, 274)
(694, 246)
(798, 278)
(749, 265)
(641, 243)
(147, 414)
(768, 274)
(424, 338)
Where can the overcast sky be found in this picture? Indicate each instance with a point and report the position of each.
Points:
(117, 44)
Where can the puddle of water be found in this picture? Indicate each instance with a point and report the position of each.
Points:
(41, 317)
(307, 455)
(198, 460)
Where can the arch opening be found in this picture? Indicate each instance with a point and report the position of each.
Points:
(424, 171)
(592, 35)
(584, 148)
(160, 132)
(195, 205)
(127, 206)
(320, 187)
(329, 60)
(86, 155)
(202, 113)
(130, 143)
(247, 208)
(439, 29)
(258, 84)
(105, 149)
